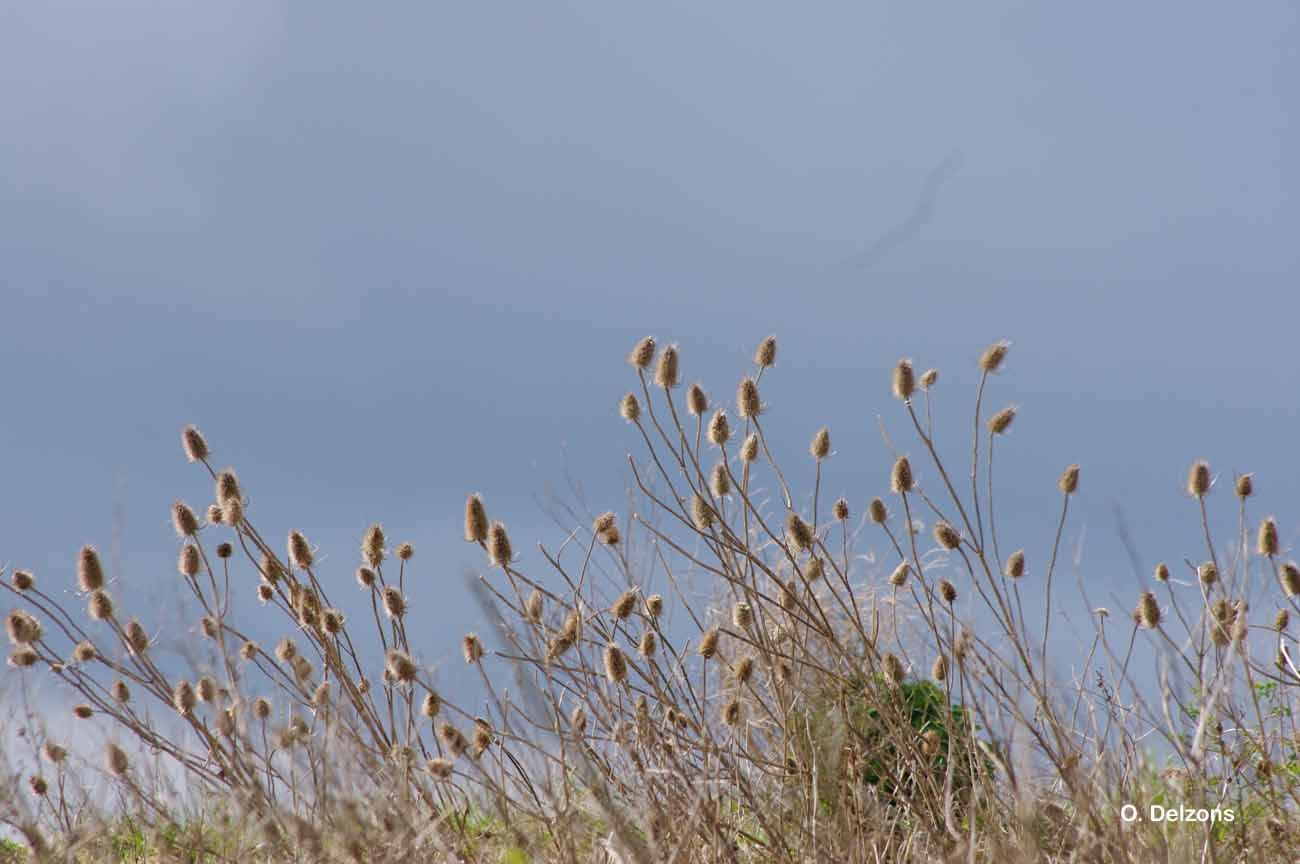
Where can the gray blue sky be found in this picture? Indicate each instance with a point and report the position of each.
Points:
(388, 254)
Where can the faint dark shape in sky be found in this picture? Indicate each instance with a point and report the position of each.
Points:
(920, 216)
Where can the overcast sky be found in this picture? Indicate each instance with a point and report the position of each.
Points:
(388, 254)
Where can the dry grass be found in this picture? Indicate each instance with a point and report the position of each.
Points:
(802, 706)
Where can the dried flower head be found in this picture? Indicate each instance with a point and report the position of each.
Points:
(720, 480)
(183, 697)
(991, 359)
(471, 648)
(948, 591)
(696, 401)
(214, 514)
(654, 605)
(904, 380)
(629, 408)
(744, 670)
(939, 670)
(22, 627)
(578, 720)
(898, 578)
(648, 644)
(184, 519)
(286, 650)
(53, 752)
(1208, 573)
(900, 478)
(1245, 486)
(83, 712)
(799, 532)
(372, 545)
(820, 447)
(232, 512)
(300, 554)
(748, 404)
(1267, 543)
(227, 487)
(876, 509)
(261, 708)
(666, 374)
(534, 607)
(642, 353)
(189, 562)
(1162, 572)
(115, 760)
(394, 602)
(749, 448)
(453, 740)
(121, 692)
(206, 689)
(731, 712)
(431, 704)
(100, 605)
(615, 664)
(84, 651)
(624, 605)
(742, 615)
(1289, 577)
(137, 639)
(498, 543)
(709, 643)
(400, 666)
(765, 355)
(90, 573)
(209, 626)
(1198, 479)
(1069, 481)
(1282, 620)
(23, 657)
(946, 535)
(225, 550)
(1148, 611)
(1000, 422)
(701, 513)
(929, 378)
(440, 768)
(404, 551)
(476, 519)
(813, 569)
(1015, 566)
(840, 510)
(331, 621)
(719, 428)
(894, 671)
(196, 446)
(265, 592)
(249, 650)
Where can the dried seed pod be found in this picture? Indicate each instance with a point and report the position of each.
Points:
(765, 354)
(137, 639)
(232, 512)
(476, 519)
(629, 408)
(1208, 573)
(286, 650)
(196, 446)
(115, 760)
(1289, 577)
(400, 666)
(821, 444)
(534, 607)
(100, 605)
(719, 428)
(225, 550)
(666, 373)
(813, 570)
(744, 670)
(798, 532)
(900, 478)
(90, 573)
(22, 627)
(372, 545)
(948, 592)
(214, 514)
(642, 353)
(404, 551)
(940, 668)
(898, 578)
(696, 402)
(53, 752)
(946, 535)
(206, 689)
(648, 644)
(1282, 620)
(742, 616)
(1069, 481)
(499, 551)
(1198, 479)
(654, 605)
(184, 698)
(904, 380)
(749, 448)
(624, 605)
(578, 720)
(184, 519)
(332, 621)
(1267, 542)
(23, 657)
(1015, 566)
(431, 705)
(85, 652)
(709, 643)
(394, 602)
(929, 379)
(189, 563)
(121, 692)
(1245, 486)
(876, 510)
(931, 742)
(894, 671)
(701, 513)
(300, 554)
(453, 740)
(211, 629)
(748, 403)
(261, 708)
(840, 510)
(1162, 572)
(720, 480)
(615, 664)
(440, 768)
(731, 712)
(471, 648)
(991, 359)
(1148, 611)
(249, 650)
(1000, 422)
(83, 712)
(265, 593)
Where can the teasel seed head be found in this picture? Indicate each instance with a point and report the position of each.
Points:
(719, 428)
(1289, 577)
(701, 513)
(799, 533)
(22, 627)
(232, 512)
(331, 621)
(189, 562)
(1000, 422)
(629, 408)
(748, 403)
(121, 692)
(654, 605)
(206, 689)
(1208, 573)
(404, 551)
(1245, 486)
(265, 592)
(372, 545)
(196, 446)
(572, 628)
(696, 401)
(666, 369)
(1198, 479)
(227, 487)
(209, 626)
(749, 448)
(261, 708)
(431, 704)
(603, 522)
(940, 668)
(115, 760)
(744, 670)
(471, 648)
(439, 768)
(136, 637)
(1162, 572)
(731, 712)
(183, 697)
(643, 353)
(534, 607)
(929, 378)
(84, 652)
(1069, 481)
(476, 519)
(948, 592)
(83, 712)
(100, 605)
(720, 480)
(300, 553)
(1148, 610)
(1015, 567)
(615, 664)
(53, 752)
(899, 577)
(946, 535)
(789, 595)
(876, 509)
(286, 650)
(394, 602)
(709, 643)
(648, 645)
(904, 380)
(225, 550)
(23, 657)
(1267, 543)
(225, 722)
(624, 605)
(962, 645)
(499, 551)
(765, 355)
(894, 671)
(320, 697)
(453, 739)
(900, 478)
(184, 519)
(840, 510)
(400, 665)
(820, 447)
(1282, 620)
(742, 616)
(214, 514)
(249, 650)
(90, 573)
(991, 359)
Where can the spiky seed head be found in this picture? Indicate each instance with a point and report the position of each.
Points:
(453, 740)
(654, 605)
(648, 645)
(90, 573)
(894, 671)
(720, 480)
(624, 605)
(184, 519)
(629, 408)
(1162, 572)
(578, 720)
(1015, 566)
(100, 605)
(748, 403)
(249, 650)
(476, 519)
(22, 627)
(394, 602)
(900, 478)
(121, 692)
(300, 554)
(372, 545)
(302, 668)
(1148, 610)
(820, 447)
(227, 487)
(557, 647)
(83, 712)
(962, 645)
(1069, 481)
(365, 577)
(1267, 543)
(709, 643)
(991, 359)
(206, 689)
(439, 768)
(189, 562)
(948, 592)
(209, 626)
(471, 648)
(404, 551)
(946, 535)
(1208, 573)
(731, 712)
(331, 621)
(603, 522)
(196, 446)
(84, 651)
(701, 513)
(642, 353)
(137, 639)
(214, 514)
(321, 696)
(534, 607)
(23, 657)
(719, 428)
(813, 569)
(225, 550)
(183, 697)
(696, 401)
(1198, 479)
(929, 378)
(840, 510)
(572, 624)
(1282, 620)
(23, 580)
(765, 354)
(744, 670)
(286, 650)
(899, 577)
(749, 448)
(225, 722)
(1245, 486)
(666, 373)
(115, 760)
(431, 704)
(38, 785)
(53, 752)
(615, 664)
(940, 668)
(265, 593)
(400, 665)
(799, 533)
(789, 595)
(261, 708)
(232, 512)
(498, 543)
(742, 616)
(1000, 422)
(904, 380)
(1289, 577)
